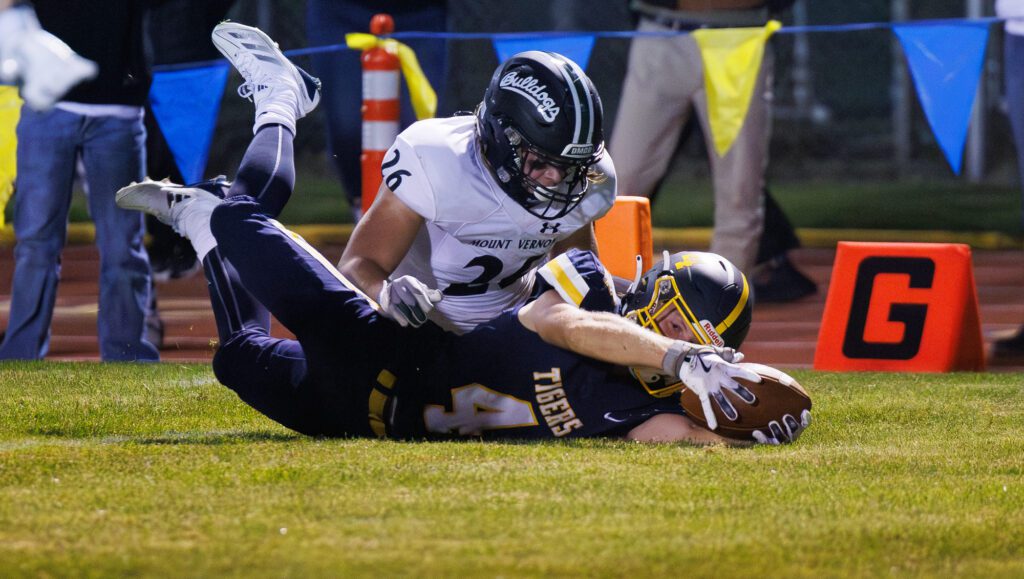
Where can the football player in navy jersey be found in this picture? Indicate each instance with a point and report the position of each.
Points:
(556, 367)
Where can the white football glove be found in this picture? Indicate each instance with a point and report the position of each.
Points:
(784, 431)
(706, 374)
(407, 300)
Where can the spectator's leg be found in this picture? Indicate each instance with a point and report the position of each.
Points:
(340, 73)
(739, 176)
(1013, 347)
(47, 145)
(114, 155)
(170, 255)
(775, 278)
(1014, 75)
(662, 77)
(779, 235)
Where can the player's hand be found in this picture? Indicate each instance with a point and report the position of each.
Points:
(707, 374)
(407, 300)
(783, 431)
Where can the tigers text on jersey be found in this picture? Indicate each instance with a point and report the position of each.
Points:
(502, 380)
(478, 245)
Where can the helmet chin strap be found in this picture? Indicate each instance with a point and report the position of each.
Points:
(639, 274)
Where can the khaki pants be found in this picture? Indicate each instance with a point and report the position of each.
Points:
(664, 82)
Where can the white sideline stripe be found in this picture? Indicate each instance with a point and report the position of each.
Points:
(312, 252)
(379, 135)
(380, 85)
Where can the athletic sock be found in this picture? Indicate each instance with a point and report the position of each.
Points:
(192, 220)
(276, 109)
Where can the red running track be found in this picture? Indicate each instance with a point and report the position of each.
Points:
(783, 335)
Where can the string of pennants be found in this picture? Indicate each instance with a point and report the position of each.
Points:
(945, 58)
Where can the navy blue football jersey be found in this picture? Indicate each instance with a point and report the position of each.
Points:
(502, 380)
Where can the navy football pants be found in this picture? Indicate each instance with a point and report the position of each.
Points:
(319, 383)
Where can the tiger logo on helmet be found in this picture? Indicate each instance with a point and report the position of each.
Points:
(702, 292)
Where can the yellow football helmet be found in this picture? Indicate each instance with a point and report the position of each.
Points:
(703, 292)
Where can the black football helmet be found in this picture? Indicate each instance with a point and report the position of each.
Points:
(704, 291)
(543, 103)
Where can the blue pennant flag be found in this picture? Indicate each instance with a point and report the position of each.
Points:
(185, 104)
(945, 62)
(576, 47)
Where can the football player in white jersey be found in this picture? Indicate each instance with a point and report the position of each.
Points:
(470, 205)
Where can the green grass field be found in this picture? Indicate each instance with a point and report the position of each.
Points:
(113, 470)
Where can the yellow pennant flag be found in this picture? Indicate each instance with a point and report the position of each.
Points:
(732, 59)
(10, 111)
(424, 100)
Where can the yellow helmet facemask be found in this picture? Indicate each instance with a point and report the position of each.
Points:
(668, 308)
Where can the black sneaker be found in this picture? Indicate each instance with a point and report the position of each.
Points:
(1009, 349)
(778, 281)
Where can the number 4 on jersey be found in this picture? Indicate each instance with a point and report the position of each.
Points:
(477, 408)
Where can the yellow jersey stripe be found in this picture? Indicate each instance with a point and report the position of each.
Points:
(377, 402)
(386, 379)
(562, 276)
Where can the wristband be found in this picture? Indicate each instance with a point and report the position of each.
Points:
(676, 355)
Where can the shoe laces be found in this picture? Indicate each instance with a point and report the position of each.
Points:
(257, 79)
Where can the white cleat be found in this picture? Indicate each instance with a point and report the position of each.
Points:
(162, 199)
(281, 91)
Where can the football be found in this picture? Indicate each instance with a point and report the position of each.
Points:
(777, 394)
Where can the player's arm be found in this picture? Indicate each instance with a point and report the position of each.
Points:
(599, 335)
(378, 244)
(610, 338)
(677, 428)
(583, 238)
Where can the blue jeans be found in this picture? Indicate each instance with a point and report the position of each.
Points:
(327, 21)
(113, 153)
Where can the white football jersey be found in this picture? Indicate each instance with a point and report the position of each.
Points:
(478, 246)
